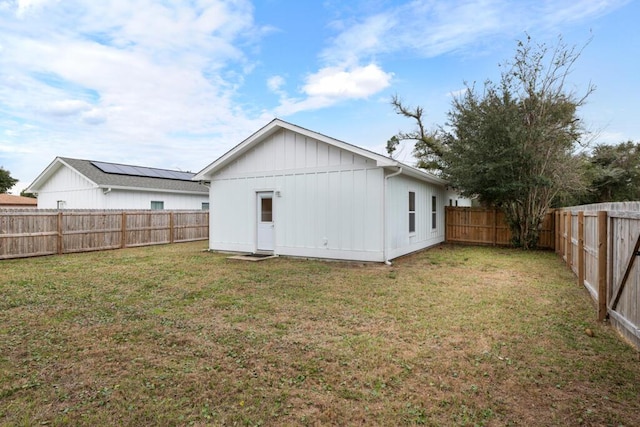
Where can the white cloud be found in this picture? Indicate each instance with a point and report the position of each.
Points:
(275, 84)
(66, 107)
(331, 85)
(25, 6)
(94, 116)
(361, 39)
(353, 83)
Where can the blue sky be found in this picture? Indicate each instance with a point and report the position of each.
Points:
(175, 84)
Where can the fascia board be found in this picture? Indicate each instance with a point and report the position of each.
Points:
(421, 175)
(154, 190)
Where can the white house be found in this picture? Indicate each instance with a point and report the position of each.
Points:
(287, 190)
(84, 184)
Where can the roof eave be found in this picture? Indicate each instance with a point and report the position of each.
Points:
(155, 190)
(421, 175)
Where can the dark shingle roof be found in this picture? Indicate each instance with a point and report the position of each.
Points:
(102, 179)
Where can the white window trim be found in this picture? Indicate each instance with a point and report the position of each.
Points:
(412, 232)
(434, 213)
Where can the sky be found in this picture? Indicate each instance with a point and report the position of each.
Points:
(175, 84)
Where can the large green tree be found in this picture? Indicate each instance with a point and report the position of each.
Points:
(613, 172)
(513, 144)
(6, 180)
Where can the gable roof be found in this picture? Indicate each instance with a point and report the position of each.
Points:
(276, 124)
(11, 200)
(102, 179)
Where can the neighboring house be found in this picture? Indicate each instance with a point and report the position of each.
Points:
(290, 191)
(7, 201)
(455, 199)
(84, 184)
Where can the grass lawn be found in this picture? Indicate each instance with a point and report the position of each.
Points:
(173, 335)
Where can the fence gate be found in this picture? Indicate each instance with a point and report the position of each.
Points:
(624, 273)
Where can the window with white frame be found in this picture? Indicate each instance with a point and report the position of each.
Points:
(157, 205)
(205, 206)
(434, 212)
(412, 212)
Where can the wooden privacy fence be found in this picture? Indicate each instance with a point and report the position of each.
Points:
(480, 226)
(601, 244)
(40, 232)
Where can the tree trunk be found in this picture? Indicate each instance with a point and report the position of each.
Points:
(524, 221)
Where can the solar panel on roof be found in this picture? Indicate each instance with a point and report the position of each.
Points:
(167, 174)
(151, 172)
(128, 170)
(106, 167)
(120, 169)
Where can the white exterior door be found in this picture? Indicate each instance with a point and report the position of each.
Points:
(265, 229)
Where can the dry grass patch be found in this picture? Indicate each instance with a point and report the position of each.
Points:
(172, 335)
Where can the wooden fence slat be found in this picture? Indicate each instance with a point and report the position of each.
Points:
(60, 238)
(13, 236)
(602, 264)
(123, 235)
(581, 269)
(569, 243)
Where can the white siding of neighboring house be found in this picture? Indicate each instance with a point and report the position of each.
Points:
(141, 199)
(79, 193)
(72, 188)
(330, 203)
(399, 240)
(455, 199)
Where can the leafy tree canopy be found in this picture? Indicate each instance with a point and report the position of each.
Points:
(24, 193)
(613, 173)
(6, 180)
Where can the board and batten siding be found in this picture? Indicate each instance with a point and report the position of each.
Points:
(71, 187)
(399, 240)
(291, 152)
(79, 193)
(329, 203)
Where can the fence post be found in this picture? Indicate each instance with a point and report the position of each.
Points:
(171, 227)
(581, 268)
(60, 236)
(554, 218)
(602, 265)
(446, 224)
(559, 233)
(561, 227)
(569, 244)
(556, 247)
(495, 227)
(123, 238)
